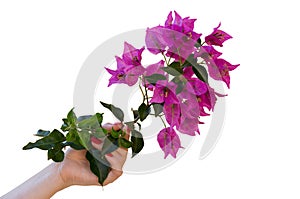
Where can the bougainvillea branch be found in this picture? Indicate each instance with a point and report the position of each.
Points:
(176, 89)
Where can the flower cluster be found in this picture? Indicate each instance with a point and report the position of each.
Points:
(176, 89)
(179, 82)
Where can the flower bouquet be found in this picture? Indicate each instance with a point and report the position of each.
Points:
(176, 89)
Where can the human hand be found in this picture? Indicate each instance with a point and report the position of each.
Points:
(75, 168)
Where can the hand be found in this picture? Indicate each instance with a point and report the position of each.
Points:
(75, 168)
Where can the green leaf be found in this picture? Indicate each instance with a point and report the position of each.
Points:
(72, 136)
(47, 142)
(174, 69)
(152, 79)
(92, 124)
(65, 126)
(100, 166)
(198, 69)
(144, 111)
(110, 144)
(158, 108)
(140, 126)
(56, 154)
(135, 114)
(74, 141)
(179, 88)
(171, 71)
(99, 132)
(83, 117)
(124, 143)
(200, 72)
(190, 61)
(115, 134)
(117, 112)
(137, 142)
(130, 125)
(72, 117)
(89, 123)
(42, 133)
(198, 43)
(74, 145)
(99, 118)
(84, 139)
(176, 65)
(90, 119)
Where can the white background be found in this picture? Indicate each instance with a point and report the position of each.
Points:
(44, 43)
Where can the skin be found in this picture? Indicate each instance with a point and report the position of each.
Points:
(73, 170)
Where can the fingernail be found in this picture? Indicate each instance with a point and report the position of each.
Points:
(107, 125)
(109, 155)
(96, 140)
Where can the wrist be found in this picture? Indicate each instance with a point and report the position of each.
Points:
(43, 185)
(58, 178)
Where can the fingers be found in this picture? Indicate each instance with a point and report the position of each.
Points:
(127, 131)
(75, 154)
(96, 143)
(112, 176)
(122, 151)
(115, 126)
(116, 160)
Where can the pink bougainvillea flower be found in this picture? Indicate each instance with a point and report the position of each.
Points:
(219, 70)
(217, 37)
(169, 141)
(118, 76)
(184, 97)
(164, 93)
(172, 114)
(183, 25)
(129, 67)
(205, 96)
(179, 50)
(132, 74)
(207, 53)
(189, 126)
(182, 39)
(132, 55)
(189, 105)
(155, 69)
(178, 44)
(154, 39)
(188, 72)
(194, 85)
(127, 76)
(178, 35)
(207, 100)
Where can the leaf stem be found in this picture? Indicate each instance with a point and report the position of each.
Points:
(142, 90)
(146, 92)
(167, 62)
(180, 60)
(202, 62)
(160, 116)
